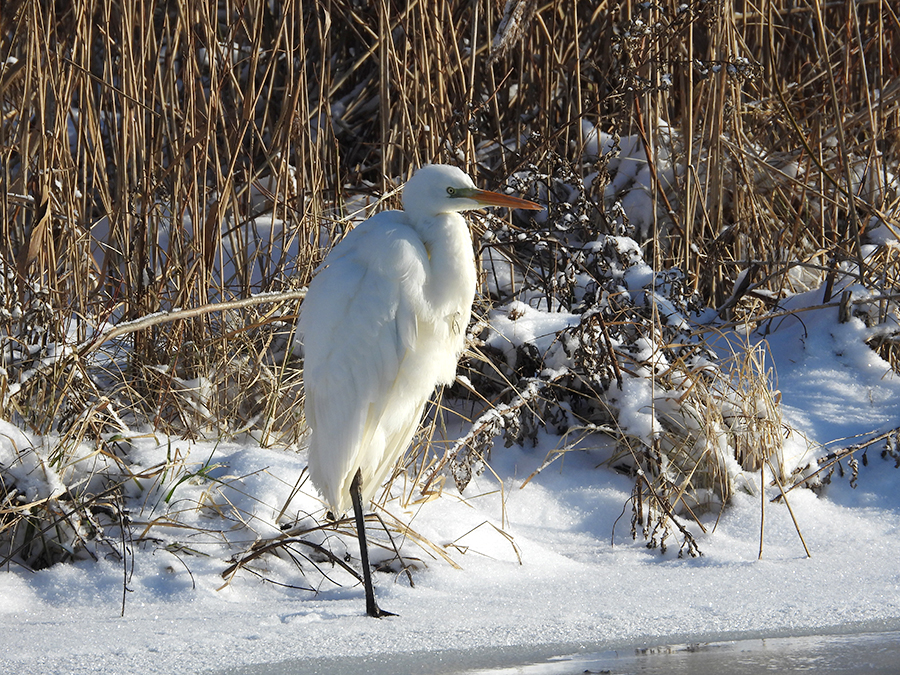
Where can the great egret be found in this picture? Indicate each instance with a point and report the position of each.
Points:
(383, 323)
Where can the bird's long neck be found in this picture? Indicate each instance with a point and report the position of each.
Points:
(451, 284)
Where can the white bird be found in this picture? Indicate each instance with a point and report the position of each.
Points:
(383, 323)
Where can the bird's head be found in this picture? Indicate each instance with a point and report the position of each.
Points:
(438, 188)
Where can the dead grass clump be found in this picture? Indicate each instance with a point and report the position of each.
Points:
(58, 502)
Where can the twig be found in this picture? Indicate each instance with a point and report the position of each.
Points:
(158, 318)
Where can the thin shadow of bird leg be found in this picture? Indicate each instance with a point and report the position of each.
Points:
(372, 608)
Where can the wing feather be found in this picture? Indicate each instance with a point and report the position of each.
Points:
(360, 326)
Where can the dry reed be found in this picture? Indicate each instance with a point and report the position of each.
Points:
(165, 155)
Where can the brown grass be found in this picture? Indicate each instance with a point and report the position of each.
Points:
(139, 140)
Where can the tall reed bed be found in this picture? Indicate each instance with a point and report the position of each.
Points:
(159, 156)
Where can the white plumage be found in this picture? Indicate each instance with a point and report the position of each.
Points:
(383, 323)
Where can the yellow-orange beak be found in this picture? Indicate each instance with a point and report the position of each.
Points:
(488, 198)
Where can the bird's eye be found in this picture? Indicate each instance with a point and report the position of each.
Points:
(451, 191)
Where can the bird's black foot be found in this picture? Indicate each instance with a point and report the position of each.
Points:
(377, 613)
(372, 608)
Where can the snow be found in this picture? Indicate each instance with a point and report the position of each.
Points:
(519, 323)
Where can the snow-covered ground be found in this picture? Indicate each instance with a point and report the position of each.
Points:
(560, 575)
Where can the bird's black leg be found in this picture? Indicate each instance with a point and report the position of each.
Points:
(372, 608)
